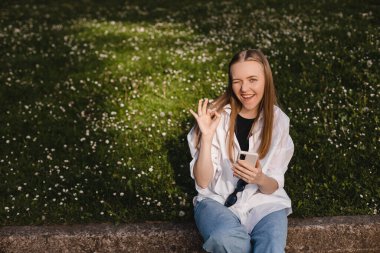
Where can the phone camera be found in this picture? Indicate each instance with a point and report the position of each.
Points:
(242, 157)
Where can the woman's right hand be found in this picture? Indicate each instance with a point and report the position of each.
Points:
(207, 119)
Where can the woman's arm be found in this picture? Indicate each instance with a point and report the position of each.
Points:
(267, 184)
(203, 168)
(208, 121)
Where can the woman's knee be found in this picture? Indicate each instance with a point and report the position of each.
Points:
(227, 241)
(274, 222)
(271, 233)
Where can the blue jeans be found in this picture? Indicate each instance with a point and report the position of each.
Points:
(222, 231)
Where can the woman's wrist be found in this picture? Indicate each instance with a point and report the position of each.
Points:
(262, 180)
(206, 139)
(267, 185)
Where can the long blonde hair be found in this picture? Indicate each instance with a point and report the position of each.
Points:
(266, 105)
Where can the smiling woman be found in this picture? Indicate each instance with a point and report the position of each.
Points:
(248, 83)
(238, 202)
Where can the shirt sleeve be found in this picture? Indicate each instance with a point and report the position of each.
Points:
(215, 155)
(282, 153)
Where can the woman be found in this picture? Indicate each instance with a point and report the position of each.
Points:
(242, 207)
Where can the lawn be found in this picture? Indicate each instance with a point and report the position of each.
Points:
(95, 99)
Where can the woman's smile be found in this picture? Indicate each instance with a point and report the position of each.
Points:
(247, 97)
(248, 84)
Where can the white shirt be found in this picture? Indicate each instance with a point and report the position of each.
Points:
(252, 205)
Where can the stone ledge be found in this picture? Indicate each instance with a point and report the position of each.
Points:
(325, 234)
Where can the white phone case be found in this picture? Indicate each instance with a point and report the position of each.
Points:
(248, 156)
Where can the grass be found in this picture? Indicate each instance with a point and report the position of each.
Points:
(94, 102)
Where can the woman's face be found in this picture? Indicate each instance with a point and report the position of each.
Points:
(248, 84)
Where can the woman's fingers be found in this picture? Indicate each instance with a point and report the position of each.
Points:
(204, 108)
(200, 107)
(250, 176)
(245, 177)
(194, 114)
(213, 112)
(207, 119)
(241, 171)
(246, 164)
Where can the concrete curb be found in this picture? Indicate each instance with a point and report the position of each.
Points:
(325, 234)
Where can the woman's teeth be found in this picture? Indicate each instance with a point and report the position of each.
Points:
(247, 96)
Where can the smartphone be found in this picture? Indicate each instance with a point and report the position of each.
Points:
(248, 156)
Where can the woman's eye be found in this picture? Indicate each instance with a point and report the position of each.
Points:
(252, 80)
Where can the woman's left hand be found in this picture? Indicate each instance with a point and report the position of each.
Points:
(249, 173)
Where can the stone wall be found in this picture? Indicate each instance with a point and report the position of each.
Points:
(325, 234)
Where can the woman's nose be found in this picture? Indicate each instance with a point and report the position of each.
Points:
(245, 86)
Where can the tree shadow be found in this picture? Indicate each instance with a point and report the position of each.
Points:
(179, 158)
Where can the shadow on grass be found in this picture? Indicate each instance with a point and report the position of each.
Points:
(41, 73)
(179, 158)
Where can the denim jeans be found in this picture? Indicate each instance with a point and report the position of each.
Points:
(222, 231)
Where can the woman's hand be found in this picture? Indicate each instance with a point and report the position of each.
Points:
(249, 173)
(207, 119)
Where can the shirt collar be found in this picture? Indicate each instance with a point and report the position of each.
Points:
(227, 108)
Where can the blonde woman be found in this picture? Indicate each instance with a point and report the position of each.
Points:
(242, 207)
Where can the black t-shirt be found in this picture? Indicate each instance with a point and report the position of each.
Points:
(242, 128)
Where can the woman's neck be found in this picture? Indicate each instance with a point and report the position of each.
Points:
(248, 114)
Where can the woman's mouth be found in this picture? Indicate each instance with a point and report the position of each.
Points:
(247, 97)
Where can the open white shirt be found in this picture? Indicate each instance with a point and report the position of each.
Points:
(252, 205)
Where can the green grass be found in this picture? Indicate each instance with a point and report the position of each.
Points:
(94, 102)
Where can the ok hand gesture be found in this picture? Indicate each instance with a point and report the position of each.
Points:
(207, 119)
